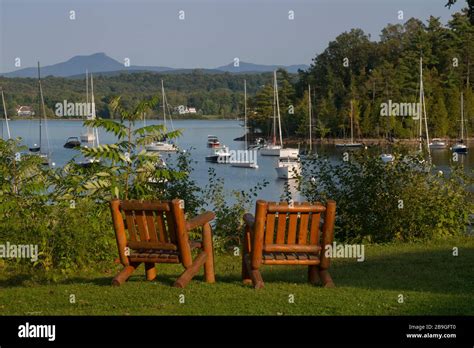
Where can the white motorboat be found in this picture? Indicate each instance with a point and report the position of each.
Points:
(213, 141)
(219, 155)
(438, 144)
(288, 168)
(160, 146)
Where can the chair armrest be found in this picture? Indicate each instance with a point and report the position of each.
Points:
(249, 220)
(200, 220)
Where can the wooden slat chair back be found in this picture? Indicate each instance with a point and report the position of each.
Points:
(282, 234)
(153, 232)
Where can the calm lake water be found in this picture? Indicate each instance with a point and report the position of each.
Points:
(194, 137)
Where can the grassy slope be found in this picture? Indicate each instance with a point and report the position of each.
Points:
(429, 277)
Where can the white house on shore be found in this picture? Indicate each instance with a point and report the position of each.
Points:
(25, 111)
(183, 110)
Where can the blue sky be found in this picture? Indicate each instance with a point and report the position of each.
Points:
(149, 32)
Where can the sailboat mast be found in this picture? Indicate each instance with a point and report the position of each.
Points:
(95, 131)
(41, 105)
(245, 114)
(164, 106)
(6, 116)
(310, 116)
(352, 123)
(278, 109)
(462, 116)
(274, 112)
(420, 109)
(88, 108)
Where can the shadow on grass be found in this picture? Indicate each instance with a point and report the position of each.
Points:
(433, 271)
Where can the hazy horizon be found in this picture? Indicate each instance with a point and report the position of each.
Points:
(212, 34)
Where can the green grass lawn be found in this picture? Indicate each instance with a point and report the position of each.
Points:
(431, 280)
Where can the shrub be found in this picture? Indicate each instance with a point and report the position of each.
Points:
(380, 202)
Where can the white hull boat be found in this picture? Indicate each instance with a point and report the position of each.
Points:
(277, 150)
(438, 144)
(288, 169)
(220, 155)
(160, 146)
(387, 157)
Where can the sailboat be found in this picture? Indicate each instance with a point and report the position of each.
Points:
(89, 136)
(246, 163)
(274, 149)
(422, 165)
(6, 116)
(310, 125)
(460, 147)
(288, 167)
(38, 149)
(162, 145)
(92, 134)
(351, 144)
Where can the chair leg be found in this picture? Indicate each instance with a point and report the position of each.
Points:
(326, 279)
(125, 273)
(246, 279)
(191, 271)
(245, 272)
(150, 271)
(313, 274)
(209, 274)
(255, 274)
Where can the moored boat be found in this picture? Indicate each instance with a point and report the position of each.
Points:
(219, 155)
(246, 161)
(437, 144)
(161, 146)
(72, 142)
(288, 168)
(460, 147)
(213, 141)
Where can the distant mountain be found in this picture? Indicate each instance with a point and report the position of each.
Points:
(100, 63)
(258, 68)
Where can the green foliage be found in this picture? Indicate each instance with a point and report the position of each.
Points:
(211, 94)
(228, 223)
(65, 210)
(128, 171)
(389, 69)
(379, 202)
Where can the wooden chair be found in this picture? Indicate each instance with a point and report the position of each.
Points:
(158, 233)
(280, 234)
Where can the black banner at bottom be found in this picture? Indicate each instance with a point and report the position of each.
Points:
(164, 331)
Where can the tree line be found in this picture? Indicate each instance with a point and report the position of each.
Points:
(353, 69)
